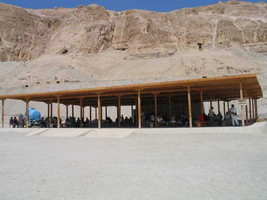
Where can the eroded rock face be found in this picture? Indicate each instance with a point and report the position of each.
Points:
(85, 30)
(23, 35)
(29, 34)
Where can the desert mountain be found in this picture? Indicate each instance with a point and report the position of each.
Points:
(92, 44)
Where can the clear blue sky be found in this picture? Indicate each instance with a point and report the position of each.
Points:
(118, 5)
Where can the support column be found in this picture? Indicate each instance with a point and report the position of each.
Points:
(228, 107)
(67, 111)
(90, 115)
(242, 106)
(189, 107)
(132, 115)
(3, 113)
(95, 113)
(253, 110)
(51, 110)
(72, 107)
(256, 109)
(250, 113)
(201, 103)
(170, 108)
(27, 113)
(81, 111)
(58, 113)
(119, 111)
(246, 108)
(156, 110)
(48, 110)
(224, 108)
(139, 109)
(136, 113)
(219, 109)
(106, 112)
(181, 104)
(99, 110)
(246, 115)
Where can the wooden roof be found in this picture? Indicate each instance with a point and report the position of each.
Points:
(216, 88)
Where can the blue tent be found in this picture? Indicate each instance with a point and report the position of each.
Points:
(33, 114)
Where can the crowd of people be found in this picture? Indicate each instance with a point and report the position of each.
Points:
(72, 122)
(17, 123)
(69, 122)
(229, 119)
(124, 122)
(163, 120)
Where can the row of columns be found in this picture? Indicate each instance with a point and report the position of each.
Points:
(253, 108)
(253, 111)
(170, 108)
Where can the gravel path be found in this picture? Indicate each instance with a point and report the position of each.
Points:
(182, 166)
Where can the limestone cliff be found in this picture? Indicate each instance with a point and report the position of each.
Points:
(29, 34)
(90, 43)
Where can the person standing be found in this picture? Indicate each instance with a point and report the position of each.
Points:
(15, 122)
(211, 116)
(234, 115)
(11, 122)
(21, 125)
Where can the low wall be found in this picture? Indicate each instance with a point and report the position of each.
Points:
(257, 128)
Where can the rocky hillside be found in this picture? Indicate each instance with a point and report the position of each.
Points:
(90, 43)
(29, 34)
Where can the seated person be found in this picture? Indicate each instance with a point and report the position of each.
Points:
(184, 118)
(47, 123)
(109, 120)
(206, 117)
(87, 122)
(152, 118)
(78, 123)
(173, 119)
(131, 121)
(67, 122)
(201, 117)
(54, 122)
(15, 122)
(227, 119)
(219, 118)
(160, 119)
(42, 123)
(94, 123)
(143, 119)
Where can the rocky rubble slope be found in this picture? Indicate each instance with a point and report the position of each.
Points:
(90, 44)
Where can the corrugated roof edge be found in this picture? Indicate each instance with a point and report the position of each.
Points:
(185, 83)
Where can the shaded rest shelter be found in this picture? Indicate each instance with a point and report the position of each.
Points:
(189, 95)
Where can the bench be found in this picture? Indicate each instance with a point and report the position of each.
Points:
(202, 124)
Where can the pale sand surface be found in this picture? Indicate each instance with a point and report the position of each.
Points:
(183, 166)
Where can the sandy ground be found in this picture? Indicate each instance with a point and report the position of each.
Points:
(182, 166)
